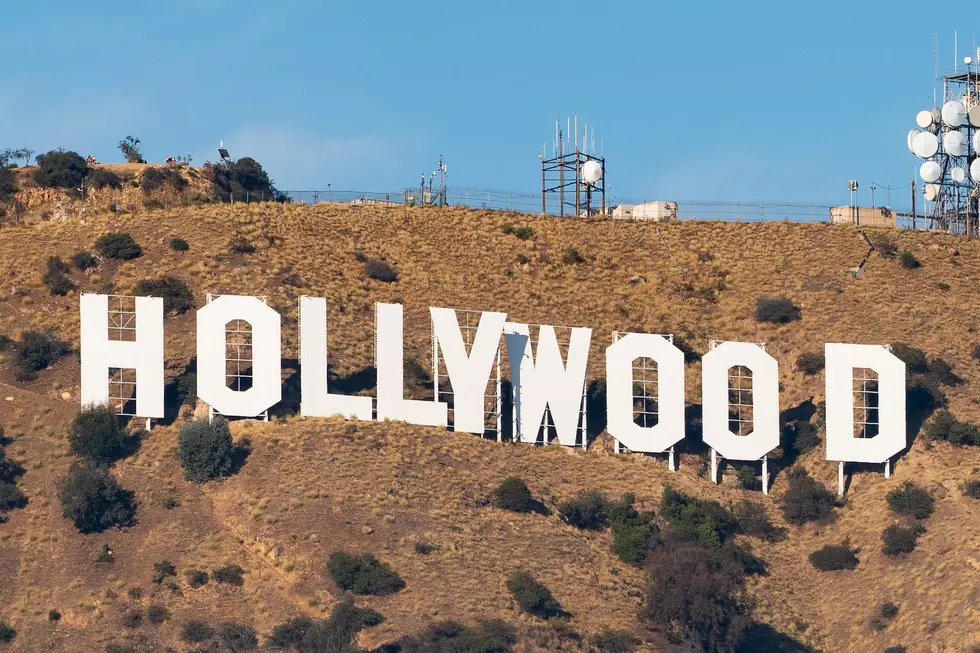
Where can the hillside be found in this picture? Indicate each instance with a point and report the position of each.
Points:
(312, 487)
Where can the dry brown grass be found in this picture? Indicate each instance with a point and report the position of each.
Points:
(315, 486)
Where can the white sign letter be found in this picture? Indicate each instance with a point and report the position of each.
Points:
(266, 390)
(145, 355)
(315, 401)
(547, 381)
(390, 363)
(842, 446)
(765, 401)
(670, 392)
(468, 375)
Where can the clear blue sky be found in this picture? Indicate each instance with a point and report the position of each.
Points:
(691, 100)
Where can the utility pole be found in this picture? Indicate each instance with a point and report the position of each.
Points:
(913, 203)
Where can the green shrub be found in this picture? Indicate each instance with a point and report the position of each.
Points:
(58, 169)
(157, 614)
(885, 613)
(102, 178)
(572, 256)
(910, 500)
(205, 449)
(195, 632)
(83, 260)
(7, 633)
(290, 633)
(512, 494)
(37, 351)
(157, 179)
(162, 570)
(523, 233)
(908, 260)
(118, 245)
(776, 310)
(196, 578)
(425, 548)
(806, 500)
(11, 497)
(245, 175)
(132, 619)
(896, 649)
(753, 520)
(834, 557)
(177, 297)
(229, 575)
(179, 245)
(130, 147)
(811, 363)
(379, 271)
(54, 615)
(613, 641)
(949, 429)
(972, 489)
(335, 634)
(746, 478)
(56, 278)
(237, 637)
(532, 597)
(241, 245)
(492, 636)
(93, 500)
(900, 539)
(633, 531)
(95, 435)
(705, 522)
(914, 358)
(587, 511)
(363, 574)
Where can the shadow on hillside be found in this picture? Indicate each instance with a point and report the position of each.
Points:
(789, 433)
(762, 637)
(595, 406)
(182, 389)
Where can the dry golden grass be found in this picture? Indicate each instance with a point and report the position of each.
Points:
(311, 487)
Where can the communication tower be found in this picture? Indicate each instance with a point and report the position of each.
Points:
(572, 176)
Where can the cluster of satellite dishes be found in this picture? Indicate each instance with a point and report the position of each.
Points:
(940, 141)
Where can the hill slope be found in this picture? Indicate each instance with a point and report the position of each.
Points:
(313, 487)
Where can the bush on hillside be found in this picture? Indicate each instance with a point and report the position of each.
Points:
(908, 260)
(811, 363)
(236, 637)
(949, 429)
(910, 500)
(7, 633)
(157, 179)
(37, 351)
(492, 636)
(885, 246)
(56, 277)
(83, 260)
(898, 539)
(130, 147)
(118, 245)
(972, 489)
(196, 578)
(59, 169)
(8, 186)
(633, 531)
(914, 358)
(9, 470)
(240, 245)
(95, 435)
(531, 596)
(512, 494)
(572, 256)
(380, 271)
(834, 557)
(806, 500)
(102, 178)
(229, 575)
(179, 245)
(290, 633)
(753, 520)
(162, 570)
(177, 297)
(523, 233)
(704, 522)
(93, 500)
(800, 437)
(245, 175)
(337, 633)
(776, 310)
(587, 511)
(613, 641)
(205, 449)
(11, 497)
(363, 574)
(195, 632)
(896, 649)
(746, 478)
(157, 614)
(698, 595)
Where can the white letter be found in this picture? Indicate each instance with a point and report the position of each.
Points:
(468, 374)
(765, 401)
(390, 363)
(266, 390)
(545, 381)
(842, 446)
(145, 355)
(315, 401)
(670, 392)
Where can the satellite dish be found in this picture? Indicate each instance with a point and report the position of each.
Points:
(925, 145)
(955, 143)
(930, 192)
(852, 185)
(923, 119)
(974, 116)
(975, 170)
(912, 135)
(591, 172)
(976, 143)
(954, 113)
(930, 171)
(958, 174)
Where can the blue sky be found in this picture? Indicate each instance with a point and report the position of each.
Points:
(693, 100)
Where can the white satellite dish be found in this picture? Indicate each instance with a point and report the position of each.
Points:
(974, 116)
(954, 113)
(923, 119)
(930, 171)
(975, 170)
(976, 142)
(912, 135)
(930, 192)
(955, 143)
(925, 145)
(591, 172)
(958, 174)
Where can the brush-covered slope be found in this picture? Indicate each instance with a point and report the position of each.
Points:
(313, 487)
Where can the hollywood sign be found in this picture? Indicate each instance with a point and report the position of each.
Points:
(543, 380)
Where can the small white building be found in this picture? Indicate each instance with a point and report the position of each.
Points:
(660, 211)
